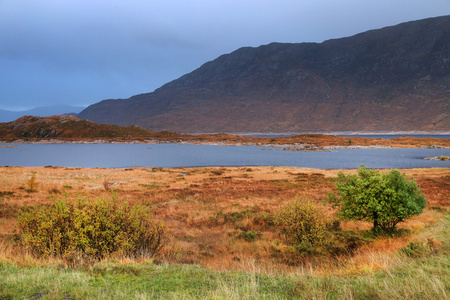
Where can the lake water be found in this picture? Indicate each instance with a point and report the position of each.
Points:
(175, 155)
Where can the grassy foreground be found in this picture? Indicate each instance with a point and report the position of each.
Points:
(423, 276)
(222, 246)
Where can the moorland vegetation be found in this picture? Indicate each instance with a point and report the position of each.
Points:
(236, 233)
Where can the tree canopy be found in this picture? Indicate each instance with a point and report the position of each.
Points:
(385, 199)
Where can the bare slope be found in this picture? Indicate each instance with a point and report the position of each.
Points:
(395, 78)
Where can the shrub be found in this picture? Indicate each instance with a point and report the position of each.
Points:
(54, 191)
(345, 242)
(303, 224)
(250, 236)
(95, 229)
(384, 199)
(419, 249)
(264, 220)
(156, 169)
(107, 185)
(32, 183)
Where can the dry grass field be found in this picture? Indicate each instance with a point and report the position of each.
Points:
(221, 218)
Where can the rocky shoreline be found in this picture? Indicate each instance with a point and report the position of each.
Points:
(306, 142)
(284, 147)
(442, 157)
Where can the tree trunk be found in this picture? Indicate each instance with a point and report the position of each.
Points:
(375, 221)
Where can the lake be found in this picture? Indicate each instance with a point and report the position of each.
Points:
(176, 155)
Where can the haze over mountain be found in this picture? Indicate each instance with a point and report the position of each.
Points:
(44, 111)
(394, 78)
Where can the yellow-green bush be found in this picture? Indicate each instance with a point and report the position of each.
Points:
(93, 228)
(303, 224)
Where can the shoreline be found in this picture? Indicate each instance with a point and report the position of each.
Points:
(355, 133)
(284, 147)
(258, 168)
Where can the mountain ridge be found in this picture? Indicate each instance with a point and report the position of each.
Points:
(394, 78)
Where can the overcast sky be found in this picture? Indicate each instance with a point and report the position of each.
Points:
(79, 52)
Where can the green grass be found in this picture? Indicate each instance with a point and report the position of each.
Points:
(423, 277)
(428, 279)
(140, 282)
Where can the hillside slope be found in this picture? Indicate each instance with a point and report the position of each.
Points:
(395, 78)
(65, 127)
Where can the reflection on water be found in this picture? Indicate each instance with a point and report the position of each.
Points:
(175, 155)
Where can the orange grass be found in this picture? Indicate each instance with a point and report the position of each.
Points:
(206, 210)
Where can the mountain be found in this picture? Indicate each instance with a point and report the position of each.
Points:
(43, 111)
(394, 78)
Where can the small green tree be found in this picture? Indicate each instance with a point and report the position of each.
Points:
(384, 199)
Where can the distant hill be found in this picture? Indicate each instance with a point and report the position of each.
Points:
(394, 78)
(66, 127)
(44, 111)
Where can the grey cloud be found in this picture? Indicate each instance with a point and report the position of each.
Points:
(80, 52)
